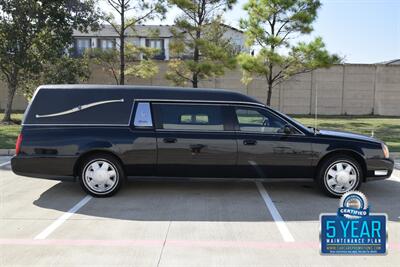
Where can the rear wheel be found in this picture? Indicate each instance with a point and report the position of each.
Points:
(338, 175)
(101, 175)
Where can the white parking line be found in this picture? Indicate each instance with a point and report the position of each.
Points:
(46, 232)
(5, 163)
(280, 223)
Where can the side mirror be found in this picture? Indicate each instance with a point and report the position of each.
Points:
(287, 129)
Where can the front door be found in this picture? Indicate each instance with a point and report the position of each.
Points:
(265, 150)
(194, 140)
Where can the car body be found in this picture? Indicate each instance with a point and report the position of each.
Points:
(178, 132)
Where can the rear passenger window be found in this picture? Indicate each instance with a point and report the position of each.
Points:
(189, 117)
(143, 115)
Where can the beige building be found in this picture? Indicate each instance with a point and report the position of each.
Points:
(154, 36)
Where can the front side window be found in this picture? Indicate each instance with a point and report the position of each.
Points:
(143, 115)
(256, 120)
(189, 117)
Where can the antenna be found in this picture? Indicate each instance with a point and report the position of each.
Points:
(316, 108)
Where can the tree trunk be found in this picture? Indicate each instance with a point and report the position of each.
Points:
(12, 88)
(196, 59)
(270, 82)
(195, 80)
(269, 94)
(122, 47)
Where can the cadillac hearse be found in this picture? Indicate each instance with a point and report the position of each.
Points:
(100, 135)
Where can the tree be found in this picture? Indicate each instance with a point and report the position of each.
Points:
(147, 9)
(271, 25)
(63, 70)
(109, 60)
(199, 48)
(34, 32)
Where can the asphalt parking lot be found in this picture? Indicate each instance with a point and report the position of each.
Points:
(177, 223)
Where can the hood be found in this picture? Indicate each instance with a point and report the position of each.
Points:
(347, 135)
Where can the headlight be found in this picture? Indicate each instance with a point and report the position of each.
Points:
(385, 150)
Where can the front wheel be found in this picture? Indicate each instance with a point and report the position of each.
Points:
(338, 175)
(101, 175)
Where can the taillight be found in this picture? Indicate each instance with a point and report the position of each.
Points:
(18, 144)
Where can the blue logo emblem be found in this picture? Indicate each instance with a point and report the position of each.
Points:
(353, 230)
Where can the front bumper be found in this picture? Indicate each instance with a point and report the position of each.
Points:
(379, 169)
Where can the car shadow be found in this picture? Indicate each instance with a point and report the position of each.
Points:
(215, 201)
(303, 202)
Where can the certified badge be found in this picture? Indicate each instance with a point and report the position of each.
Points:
(353, 230)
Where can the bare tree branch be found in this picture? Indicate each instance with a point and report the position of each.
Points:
(116, 29)
(116, 6)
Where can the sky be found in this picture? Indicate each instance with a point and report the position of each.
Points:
(360, 31)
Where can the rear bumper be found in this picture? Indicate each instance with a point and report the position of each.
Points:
(54, 168)
(379, 169)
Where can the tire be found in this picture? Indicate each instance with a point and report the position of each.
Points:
(334, 180)
(101, 175)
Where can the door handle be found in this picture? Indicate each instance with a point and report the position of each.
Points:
(170, 140)
(249, 142)
(197, 146)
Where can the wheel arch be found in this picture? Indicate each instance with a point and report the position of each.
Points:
(347, 152)
(89, 153)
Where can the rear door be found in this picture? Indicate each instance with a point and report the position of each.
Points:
(194, 140)
(265, 151)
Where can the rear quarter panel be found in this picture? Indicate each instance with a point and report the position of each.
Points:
(53, 150)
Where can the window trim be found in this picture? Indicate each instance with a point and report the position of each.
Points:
(233, 120)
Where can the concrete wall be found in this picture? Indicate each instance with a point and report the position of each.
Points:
(350, 89)
(19, 103)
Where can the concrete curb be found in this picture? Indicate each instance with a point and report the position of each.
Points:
(7, 152)
(396, 157)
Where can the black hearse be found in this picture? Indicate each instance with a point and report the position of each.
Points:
(103, 134)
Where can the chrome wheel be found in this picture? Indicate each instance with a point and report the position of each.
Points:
(341, 177)
(100, 176)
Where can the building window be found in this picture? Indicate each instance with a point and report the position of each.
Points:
(105, 44)
(81, 44)
(158, 44)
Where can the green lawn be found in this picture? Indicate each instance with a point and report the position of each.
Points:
(9, 133)
(384, 128)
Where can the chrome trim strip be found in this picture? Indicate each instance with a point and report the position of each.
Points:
(183, 101)
(65, 124)
(223, 131)
(79, 108)
(194, 130)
